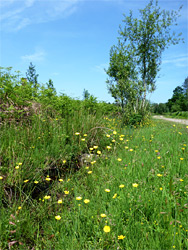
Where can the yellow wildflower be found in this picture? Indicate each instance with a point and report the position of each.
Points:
(47, 197)
(78, 198)
(107, 190)
(103, 215)
(135, 185)
(48, 178)
(86, 201)
(115, 195)
(58, 217)
(106, 229)
(121, 186)
(121, 237)
(159, 175)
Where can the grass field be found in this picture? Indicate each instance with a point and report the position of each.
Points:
(102, 188)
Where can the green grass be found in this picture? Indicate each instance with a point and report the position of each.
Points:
(139, 185)
(178, 115)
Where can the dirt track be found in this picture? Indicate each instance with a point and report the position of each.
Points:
(182, 121)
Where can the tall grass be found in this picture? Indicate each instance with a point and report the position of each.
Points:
(85, 183)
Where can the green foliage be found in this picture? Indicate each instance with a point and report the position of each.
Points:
(178, 114)
(136, 60)
(176, 104)
(32, 79)
(185, 88)
(179, 101)
(147, 38)
(86, 94)
(160, 108)
(121, 74)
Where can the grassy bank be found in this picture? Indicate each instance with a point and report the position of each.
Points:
(101, 187)
(177, 115)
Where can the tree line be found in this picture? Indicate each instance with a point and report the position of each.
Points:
(178, 102)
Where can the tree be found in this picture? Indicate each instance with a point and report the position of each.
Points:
(185, 88)
(86, 94)
(143, 40)
(185, 91)
(50, 85)
(32, 78)
(121, 81)
(178, 101)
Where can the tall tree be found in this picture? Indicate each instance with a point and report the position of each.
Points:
(32, 76)
(121, 81)
(86, 94)
(144, 40)
(185, 88)
(178, 100)
(50, 85)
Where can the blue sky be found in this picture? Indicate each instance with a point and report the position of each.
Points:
(69, 42)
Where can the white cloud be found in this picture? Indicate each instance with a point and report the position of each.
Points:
(35, 57)
(178, 61)
(100, 68)
(17, 14)
(29, 3)
(23, 23)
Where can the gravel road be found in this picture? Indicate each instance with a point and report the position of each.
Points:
(182, 121)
